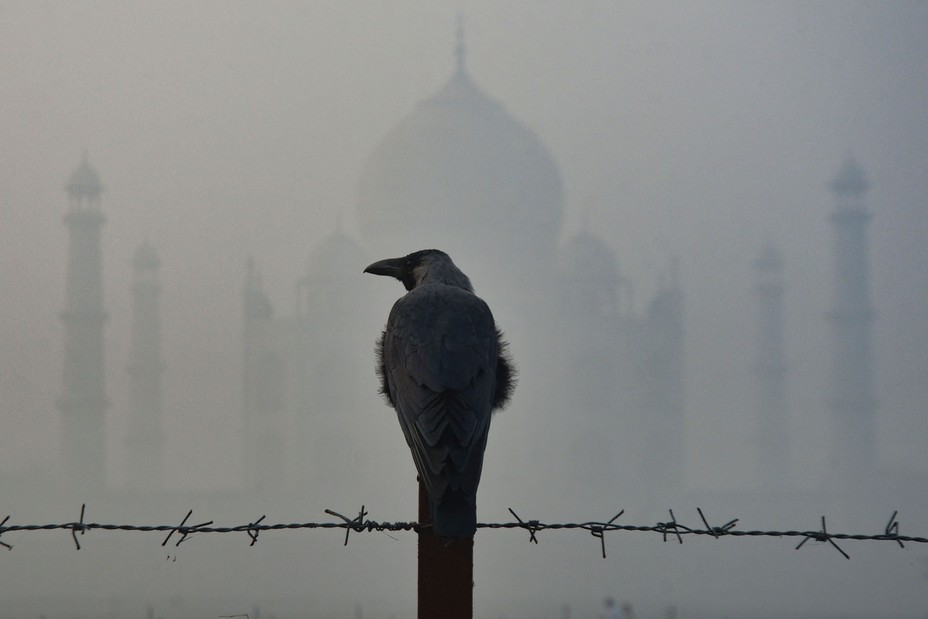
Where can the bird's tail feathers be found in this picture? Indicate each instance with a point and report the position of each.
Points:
(455, 516)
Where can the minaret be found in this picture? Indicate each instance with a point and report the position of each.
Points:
(146, 369)
(770, 370)
(853, 402)
(262, 395)
(663, 382)
(83, 401)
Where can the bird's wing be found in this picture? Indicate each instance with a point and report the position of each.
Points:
(440, 352)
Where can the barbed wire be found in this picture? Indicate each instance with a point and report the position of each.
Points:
(672, 529)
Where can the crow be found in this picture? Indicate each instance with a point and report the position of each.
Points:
(444, 366)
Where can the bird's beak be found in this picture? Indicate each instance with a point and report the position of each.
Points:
(392, 267)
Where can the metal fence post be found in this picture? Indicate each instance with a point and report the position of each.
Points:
(446, 571)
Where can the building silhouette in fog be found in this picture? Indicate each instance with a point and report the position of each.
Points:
(146, 373)
(772, 442)
(852, 395)
(293, 418)
(83, 402)
(461, 174)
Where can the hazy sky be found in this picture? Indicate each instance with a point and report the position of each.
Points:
(701, 129)
(222, 129)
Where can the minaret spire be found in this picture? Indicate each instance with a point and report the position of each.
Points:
(460, 51)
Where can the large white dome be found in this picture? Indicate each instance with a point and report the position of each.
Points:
(459, 173)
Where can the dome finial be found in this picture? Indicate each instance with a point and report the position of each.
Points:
(459, 50)
(850, 180)
(84, 185)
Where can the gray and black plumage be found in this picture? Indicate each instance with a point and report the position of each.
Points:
(444, 367)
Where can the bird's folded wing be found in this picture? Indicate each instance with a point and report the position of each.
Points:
(441, 351)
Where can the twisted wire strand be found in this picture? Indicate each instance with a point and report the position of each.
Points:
(361, 524)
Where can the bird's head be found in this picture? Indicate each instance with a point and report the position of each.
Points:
(424, 266)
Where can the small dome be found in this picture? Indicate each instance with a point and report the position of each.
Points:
(590, 273)
(338, 254)
(84, 181)
(586, 257)
(328, 293)
(769, 258)
(146, 258)
(850, 180)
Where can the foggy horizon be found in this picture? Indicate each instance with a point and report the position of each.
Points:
(698, 132)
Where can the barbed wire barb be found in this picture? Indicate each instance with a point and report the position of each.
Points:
(673, 526)
(822, 536)
(531, 526)
(8, 546)
(174, 530)
(185, 531)
(356, 523)
(600, 531)
(892, 529)
(252, 531)
(716, 532)
(78, 526)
